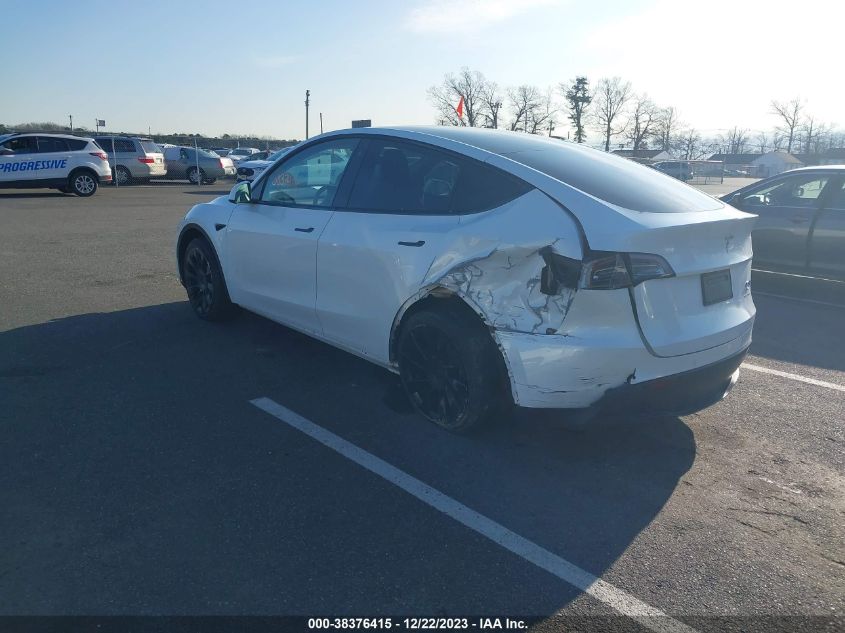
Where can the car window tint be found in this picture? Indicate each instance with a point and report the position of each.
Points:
(837, 200)
(47, 144)
(481, 187)
(150, 148)
(76, 144)
(801, 190)
(402, 177)
(21, 145)
(310, 177)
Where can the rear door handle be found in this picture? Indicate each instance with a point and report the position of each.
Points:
(417, 243)
(302, 230)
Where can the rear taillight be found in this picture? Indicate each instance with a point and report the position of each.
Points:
(145, 160)
(608, 271)
(600, 270)
(220, 160)
(100, 155)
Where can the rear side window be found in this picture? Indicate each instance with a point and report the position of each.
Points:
(76, 144)
(121, 145)
(47, 144)
(401, 177)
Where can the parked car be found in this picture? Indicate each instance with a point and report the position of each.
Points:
(183, 162)
(486, 267)
(801, 220)
(252, 167)
(133, 159)
(239, 153)
(679, 169)
(68, 163)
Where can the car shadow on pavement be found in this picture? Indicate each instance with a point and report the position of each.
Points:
(138, 478)
(34, 194)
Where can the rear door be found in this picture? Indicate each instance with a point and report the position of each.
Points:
(786, 208)
(53, 157)
(271, 243)
(827, 243)
(406, 200)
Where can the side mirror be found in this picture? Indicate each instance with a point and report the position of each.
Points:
(241, 193)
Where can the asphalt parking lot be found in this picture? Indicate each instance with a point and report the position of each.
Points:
(140, 478)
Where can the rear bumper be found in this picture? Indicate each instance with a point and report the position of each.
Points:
(679, 394)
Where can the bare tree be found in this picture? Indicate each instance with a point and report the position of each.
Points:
(641, 122)
(467, 84)
(543, 117)
(762, 142)
(578, 99)
(491, 104)
(666, 128)
(524, 101)
(690, 144)
(812, 135)
(735, 139)
(609, 101)
(790, 116)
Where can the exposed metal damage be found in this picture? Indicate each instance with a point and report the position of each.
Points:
(503, 283)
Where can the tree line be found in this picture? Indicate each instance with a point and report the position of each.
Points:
(620, 116)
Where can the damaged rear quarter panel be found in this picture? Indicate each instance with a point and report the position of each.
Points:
(493, 262)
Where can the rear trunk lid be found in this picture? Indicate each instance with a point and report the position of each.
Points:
(708, 301)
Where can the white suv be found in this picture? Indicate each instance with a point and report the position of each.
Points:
(60, 161)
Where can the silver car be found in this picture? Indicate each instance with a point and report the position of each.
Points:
(133, 159)
(196, 166)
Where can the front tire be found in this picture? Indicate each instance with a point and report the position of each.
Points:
(204, 282)
(83, 183)
(449, 369)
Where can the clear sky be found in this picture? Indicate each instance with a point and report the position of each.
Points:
(214, 66)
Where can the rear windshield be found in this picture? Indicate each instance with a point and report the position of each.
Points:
(208, 154)
(616, 180)
(150, 148)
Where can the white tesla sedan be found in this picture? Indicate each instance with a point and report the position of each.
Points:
(487, 268)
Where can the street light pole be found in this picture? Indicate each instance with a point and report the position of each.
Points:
(70, 116)
(307, 103)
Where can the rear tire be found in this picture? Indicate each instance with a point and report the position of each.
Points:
(193, 177)
(83, 183)
(450, 369)
(122, 177)
(204, 282)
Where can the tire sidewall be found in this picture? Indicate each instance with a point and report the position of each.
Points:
(477, 354)
(221, 305)
(75, 178)
(121, 169)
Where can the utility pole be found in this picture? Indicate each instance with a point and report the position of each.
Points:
(321, 122)
(70, 116)
(307, 103)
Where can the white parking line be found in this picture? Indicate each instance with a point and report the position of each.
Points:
(783, 374)
(620, 600)
(827, 304)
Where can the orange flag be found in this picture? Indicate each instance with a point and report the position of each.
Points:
(460, 108)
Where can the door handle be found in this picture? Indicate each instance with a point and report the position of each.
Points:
(417, 243)
(302, 230)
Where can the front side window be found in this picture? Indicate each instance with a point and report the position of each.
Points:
(21, 145)
(310, 177)
(402, 177)
(837, 200)
(794, 191)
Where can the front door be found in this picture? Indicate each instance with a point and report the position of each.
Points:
(271, 242)
(786, 210)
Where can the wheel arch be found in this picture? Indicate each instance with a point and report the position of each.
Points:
(80, 169)
(190, 232)
(442, 298)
